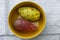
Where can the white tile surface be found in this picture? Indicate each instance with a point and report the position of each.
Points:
(1, 38)
(2, 17)
(52, 10)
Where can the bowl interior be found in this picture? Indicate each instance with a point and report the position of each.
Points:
(14, 14)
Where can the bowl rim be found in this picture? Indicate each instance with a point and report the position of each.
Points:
(38, 32)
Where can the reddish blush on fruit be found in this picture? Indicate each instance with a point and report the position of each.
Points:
(22, 25)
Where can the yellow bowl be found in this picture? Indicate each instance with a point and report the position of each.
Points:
(13, 15)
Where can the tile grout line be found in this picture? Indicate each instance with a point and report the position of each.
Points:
(40, 34)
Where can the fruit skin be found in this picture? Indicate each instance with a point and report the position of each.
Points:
(24, 26)
(29, 13)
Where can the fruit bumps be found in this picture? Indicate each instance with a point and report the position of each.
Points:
(29, 13)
